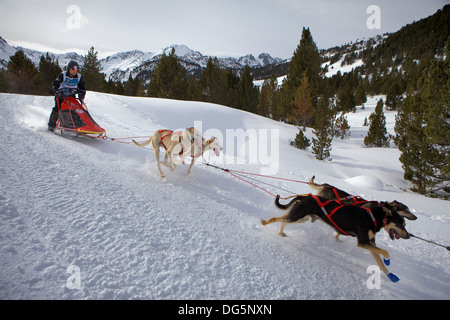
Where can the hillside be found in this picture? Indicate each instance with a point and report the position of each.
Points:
(393, 60)
(98, 209)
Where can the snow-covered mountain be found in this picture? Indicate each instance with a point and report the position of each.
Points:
(137, 63)
(346, 57)
(119, 66)
(6, 51)
(92, 219)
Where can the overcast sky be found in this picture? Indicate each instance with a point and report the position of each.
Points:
(213, 27)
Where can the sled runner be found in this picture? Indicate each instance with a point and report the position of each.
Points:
(74, 118)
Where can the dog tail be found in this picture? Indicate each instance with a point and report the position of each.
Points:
(284, 206)
(312, 184)
(142, 144)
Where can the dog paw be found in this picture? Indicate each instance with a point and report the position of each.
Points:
(284, 235)
(387, 261)
(263, 222)
(392, 277)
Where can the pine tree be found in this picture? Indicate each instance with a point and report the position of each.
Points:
(322, 130)
(233, 81)
(305, 60)
(48, 71)
(22, 75)
(169, 80)
(377, 135)
(130, 87)
(366, 122)
(247, 93)
(193, 90)
(411, 142)
(423, 130)
(3, 82)
(91, 72)
(346, 100)
(360, 95)
(214, 84)
(342, 127)
(268, 105)
(303, 108)
(114, 87)
(301, 141)
(394, 95)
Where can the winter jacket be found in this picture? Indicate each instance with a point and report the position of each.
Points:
(66, 80)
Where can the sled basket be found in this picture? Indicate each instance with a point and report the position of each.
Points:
(74, 117)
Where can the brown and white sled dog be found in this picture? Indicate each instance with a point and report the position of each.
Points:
(177, 144)
(349, 220)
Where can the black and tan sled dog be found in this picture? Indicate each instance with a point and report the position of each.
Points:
(350, 220)
(330, 192)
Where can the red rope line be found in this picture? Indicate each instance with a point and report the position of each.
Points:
(254, 185)
(259, 175)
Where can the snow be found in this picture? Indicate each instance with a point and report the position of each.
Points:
(337, 66)
(92, 219)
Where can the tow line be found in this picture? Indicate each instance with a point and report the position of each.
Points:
(239, 175)
(429, 241)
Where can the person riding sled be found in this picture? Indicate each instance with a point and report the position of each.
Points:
(69, 79)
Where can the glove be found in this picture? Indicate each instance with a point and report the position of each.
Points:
(81, 95)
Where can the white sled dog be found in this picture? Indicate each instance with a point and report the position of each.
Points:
(178, 146)
(197, 151)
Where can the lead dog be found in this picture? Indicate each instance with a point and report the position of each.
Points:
(210, 144)
(349, 220)
(176, 144)
(330, 192)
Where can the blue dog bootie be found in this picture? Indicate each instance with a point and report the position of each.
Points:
(392, 277)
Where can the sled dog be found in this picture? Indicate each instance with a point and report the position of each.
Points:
(178, 143)
(349, 220)
(330, 192)
(210, 144)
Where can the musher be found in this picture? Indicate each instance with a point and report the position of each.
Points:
(69, 79)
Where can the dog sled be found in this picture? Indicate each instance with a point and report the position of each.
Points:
(74, 118)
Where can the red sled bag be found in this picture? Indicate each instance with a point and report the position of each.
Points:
(74, 118)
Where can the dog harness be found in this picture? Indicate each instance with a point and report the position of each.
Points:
(356, 199)
(165, 133)
(168, 133)
(340, 205)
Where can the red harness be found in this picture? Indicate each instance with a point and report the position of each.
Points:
(169, 132)
(340, 205)
(356, 199)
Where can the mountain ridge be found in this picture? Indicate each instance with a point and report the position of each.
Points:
(119, 66)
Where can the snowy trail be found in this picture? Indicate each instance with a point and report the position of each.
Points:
(101, 206)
